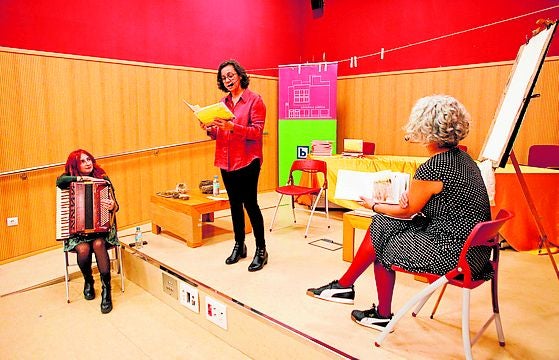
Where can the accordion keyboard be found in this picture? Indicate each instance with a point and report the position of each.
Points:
(62, 214)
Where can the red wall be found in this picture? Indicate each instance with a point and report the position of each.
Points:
(356, 28)
(176, 32)
(265, 34)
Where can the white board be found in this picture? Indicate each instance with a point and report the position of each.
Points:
(515, 99)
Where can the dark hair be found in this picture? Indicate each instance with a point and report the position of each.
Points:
(238, 69)
(73, 163)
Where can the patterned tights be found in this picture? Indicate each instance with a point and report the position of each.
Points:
(85, 252)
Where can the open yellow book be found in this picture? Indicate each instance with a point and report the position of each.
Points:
(207, 114)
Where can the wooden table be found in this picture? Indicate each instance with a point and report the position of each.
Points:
(185, 218)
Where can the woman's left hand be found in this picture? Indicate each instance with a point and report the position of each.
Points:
(109, 204)
(224, 124)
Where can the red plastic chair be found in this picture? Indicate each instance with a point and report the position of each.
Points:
(485, 234)
(544, 156)
(312, 167)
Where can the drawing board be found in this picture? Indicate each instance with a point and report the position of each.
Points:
(516, 97)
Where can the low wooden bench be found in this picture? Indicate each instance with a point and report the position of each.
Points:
(185, 218)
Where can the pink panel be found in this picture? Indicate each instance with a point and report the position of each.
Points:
(308, 91)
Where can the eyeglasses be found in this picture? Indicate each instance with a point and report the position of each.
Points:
(229, 76)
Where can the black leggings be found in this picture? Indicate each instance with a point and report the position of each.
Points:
(242, 190)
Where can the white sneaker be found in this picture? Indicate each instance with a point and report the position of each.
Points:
(333, 292)
(370, 318)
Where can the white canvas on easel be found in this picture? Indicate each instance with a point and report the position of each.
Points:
(516, 97)
(515, 100)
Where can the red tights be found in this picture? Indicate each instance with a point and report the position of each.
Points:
(384, 279)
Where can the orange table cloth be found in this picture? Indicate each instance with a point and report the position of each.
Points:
(521, 232)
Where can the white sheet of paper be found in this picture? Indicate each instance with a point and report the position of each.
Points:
(352, 184)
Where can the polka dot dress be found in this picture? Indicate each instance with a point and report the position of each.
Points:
(434, 244)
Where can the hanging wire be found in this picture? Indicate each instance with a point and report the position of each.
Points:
(353, 59)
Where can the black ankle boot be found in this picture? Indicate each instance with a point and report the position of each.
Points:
(106, 300)
(239, 251)
(260, 259)
(88, 289)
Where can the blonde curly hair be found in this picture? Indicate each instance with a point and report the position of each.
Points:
(439, 119)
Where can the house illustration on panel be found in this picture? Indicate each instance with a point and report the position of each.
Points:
(309, 98)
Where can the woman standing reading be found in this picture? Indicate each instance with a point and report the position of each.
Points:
(238, 153)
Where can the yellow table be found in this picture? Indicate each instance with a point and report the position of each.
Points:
(520, 232)
(368, 163)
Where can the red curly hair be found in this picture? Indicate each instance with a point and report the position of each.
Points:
(73, 164)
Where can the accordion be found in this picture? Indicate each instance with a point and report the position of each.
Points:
(79, 210)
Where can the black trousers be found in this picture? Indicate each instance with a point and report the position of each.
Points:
(242, 190)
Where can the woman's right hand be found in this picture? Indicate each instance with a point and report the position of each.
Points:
(404, 200)
(90, 178)
(366, 202)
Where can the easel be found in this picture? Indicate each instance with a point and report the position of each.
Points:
(543, 235)
(513, 106)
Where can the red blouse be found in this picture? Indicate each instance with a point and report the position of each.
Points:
(237, 148)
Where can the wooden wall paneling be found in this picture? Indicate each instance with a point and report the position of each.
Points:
(60, 103)
(390, 121)
(39, 213)
(59, 97)
(112, 108)
(268, 89)
(24, 102)
(129, 117)
(128, 174)
(31, 199)
(11, 188)
(26, 152)
(9, 128)
(479, 88)
(141, 99)
(541, 124)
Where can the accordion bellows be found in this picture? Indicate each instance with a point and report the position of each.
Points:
(79, 210)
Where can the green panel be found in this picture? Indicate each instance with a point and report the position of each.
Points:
(301, 132)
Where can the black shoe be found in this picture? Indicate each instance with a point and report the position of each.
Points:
(334, 292)
(260, 259)
(88, 289)
(106, 300)
(370, 318)
(237, 253)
